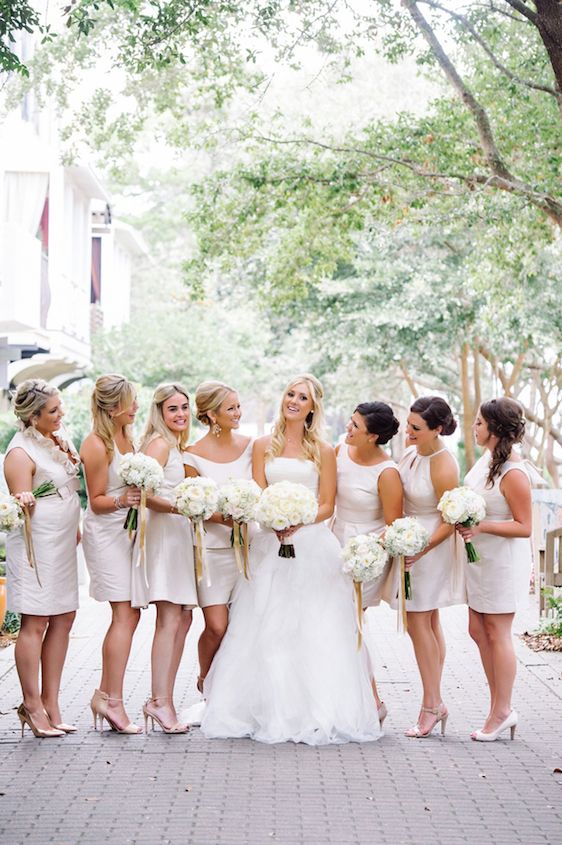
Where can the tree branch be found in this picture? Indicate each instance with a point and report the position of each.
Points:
(523, 9)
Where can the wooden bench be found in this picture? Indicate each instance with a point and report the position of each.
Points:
(551, 562)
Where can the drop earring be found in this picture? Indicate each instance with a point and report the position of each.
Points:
(216, 429)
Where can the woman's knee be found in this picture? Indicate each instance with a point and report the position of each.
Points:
(63, 621)
(33, 625)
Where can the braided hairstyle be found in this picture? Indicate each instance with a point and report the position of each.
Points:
(506, 421)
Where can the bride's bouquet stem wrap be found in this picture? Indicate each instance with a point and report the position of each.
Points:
(283, 505)
(463, 506)
(197, 499)
(144, 472)
(405, 537)
(365, 559)
(238, 500)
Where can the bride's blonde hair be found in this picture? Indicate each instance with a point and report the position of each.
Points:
(155, 425)
(313, 426)
(111, 392)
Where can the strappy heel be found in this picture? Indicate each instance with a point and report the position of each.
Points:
(26, 719)
(440, 713)
(99, 706)
(178, 728)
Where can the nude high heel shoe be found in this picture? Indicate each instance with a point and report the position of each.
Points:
(177, 728)
(510, 722)
(440, 713)
(67, 729)
(99, 707)
(25, 719)
(383, 713)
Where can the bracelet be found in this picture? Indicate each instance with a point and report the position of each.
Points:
(174, 510)
(117, 502)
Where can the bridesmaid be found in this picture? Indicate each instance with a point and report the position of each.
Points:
(221, 454)
(107, 547)
(169, 554)
(428, 469)
(369, 489)
(499, 583)
(39, 453)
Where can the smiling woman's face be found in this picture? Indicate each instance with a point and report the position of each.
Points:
(297, 403)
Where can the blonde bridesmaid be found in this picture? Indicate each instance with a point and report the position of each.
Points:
(41, 452)
(221, 454)
(427, 470)
(498, 584)
(169, 578)
(107, 547)
(369, 489)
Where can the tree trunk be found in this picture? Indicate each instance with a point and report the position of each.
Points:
(468, 409)
(549, 24)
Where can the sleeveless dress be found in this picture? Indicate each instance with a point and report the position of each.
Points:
(288, 668)
(359, 509)
(107, 547)
(499, 582)
(54, 525)
(219, 555)
(437, 578)
(168, 550)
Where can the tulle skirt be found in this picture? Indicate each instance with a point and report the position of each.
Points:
(288, 668)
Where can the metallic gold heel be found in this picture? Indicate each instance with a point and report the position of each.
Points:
(25, 719)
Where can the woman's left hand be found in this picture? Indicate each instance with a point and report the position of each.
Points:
(26, 499)
(409, 561)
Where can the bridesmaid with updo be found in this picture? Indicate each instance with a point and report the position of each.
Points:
(498, 584)
(222, 454)
(107, 547)
(47, 596)
(427, 470)
(167, 579)
(369, 489)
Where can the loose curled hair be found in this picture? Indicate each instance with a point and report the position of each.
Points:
(379, 419)
(435, 412)
(209, 396)
(313, 426)
(155, 425)
(506, 421)
(30, 398)
(111, 392)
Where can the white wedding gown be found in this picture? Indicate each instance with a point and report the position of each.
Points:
(288, 668)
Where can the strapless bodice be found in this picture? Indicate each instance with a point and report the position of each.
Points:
(292, 469)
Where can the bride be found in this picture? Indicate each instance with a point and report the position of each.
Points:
(288, 667)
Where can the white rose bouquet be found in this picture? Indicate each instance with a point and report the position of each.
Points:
(139, 470)
(365, 559)
(405, 537)
(465, 507)
(13, 516)
(238, 500)
(197, 499)
(283, 505)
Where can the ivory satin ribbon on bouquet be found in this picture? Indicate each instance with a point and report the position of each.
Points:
(402, 612)
(358, 585)
(201, 568)
(240, 545)
(142, 536)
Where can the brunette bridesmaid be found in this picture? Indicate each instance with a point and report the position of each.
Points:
(169, 578)
(369, 489)
(498, 584)
(106, 543)
(221, 454)
(47, 596)
(427, 470)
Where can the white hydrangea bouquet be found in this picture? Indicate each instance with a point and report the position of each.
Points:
(238, 500)
(283, 505)
(197, 499)
(139, 470)
(405, 537)
(365, 559)
(465, 507)
(13, 516)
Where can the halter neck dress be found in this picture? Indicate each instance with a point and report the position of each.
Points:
(437, 578)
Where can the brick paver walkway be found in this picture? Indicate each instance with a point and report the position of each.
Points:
(92, 788)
